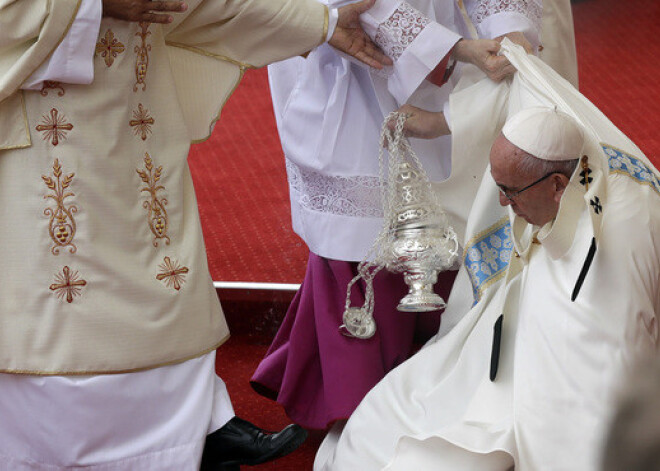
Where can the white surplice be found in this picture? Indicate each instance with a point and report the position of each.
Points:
(329, 112)
(564, 343)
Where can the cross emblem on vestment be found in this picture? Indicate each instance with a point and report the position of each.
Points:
(585, 173)
(172, 273)
(595, 203)
(142, 122)
(109, 47)
(67, 284)
(54, 127)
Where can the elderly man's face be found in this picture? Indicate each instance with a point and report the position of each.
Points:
(537, 204)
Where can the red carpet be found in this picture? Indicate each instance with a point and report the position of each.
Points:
(243, 196)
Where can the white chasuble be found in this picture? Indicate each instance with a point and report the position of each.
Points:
(571, 304)
(104, 262)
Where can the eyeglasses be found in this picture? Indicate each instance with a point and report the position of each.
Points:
(510, 196)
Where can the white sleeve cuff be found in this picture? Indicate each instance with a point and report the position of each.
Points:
(509, 22)
(446, 111)
(415, 43)
(333, 17)
(73, 60)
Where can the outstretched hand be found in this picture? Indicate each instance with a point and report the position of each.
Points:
(421, 123)
(349, 37)
(148, 11)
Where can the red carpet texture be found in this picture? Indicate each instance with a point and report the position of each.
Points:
(239, 172)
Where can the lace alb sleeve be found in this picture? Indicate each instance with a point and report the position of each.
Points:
(402, 27)
(493, 18)
(415, 42)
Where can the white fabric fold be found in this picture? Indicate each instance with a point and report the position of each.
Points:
(72, 62)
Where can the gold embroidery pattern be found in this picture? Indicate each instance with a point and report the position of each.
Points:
(142, 60)
(142, 122)
(54, 127)
(172, 273)
(109, 47)
(62, 225)
(157, 216)
(52, 85)
(67, 284)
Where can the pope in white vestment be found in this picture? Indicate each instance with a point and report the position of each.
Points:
(562, 302)
(109, 321)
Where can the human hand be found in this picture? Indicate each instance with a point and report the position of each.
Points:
(483, 54)
(349, 37)
(518, 38)
(143, 10)
(421, 123)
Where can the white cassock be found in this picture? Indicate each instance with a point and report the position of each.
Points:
(573, 318)
(330, 109)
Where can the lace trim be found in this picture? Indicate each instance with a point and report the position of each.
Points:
(343, 196)
(400, 30)
(530, 8)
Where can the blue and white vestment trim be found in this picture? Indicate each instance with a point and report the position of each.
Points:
(620, 162)
(487, 256)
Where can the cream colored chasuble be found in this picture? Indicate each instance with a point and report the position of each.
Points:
(104, 267)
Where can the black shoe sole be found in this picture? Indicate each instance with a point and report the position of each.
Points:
(284, 450)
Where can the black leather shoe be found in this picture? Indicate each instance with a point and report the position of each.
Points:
(240, 442)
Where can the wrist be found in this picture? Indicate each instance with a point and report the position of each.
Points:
(459, 51)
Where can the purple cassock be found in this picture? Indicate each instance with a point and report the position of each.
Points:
(320, 375)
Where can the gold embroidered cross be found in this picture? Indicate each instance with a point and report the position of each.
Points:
(54, 127)
(172, 273)
(109, 47)
(142, 122)
(67, 284)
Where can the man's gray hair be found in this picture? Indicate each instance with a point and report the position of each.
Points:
(535, 166)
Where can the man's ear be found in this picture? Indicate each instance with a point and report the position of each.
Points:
(560, 182)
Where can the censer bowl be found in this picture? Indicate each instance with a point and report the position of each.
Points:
(418, 254)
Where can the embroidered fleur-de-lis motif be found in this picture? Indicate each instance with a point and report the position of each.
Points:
(142, 59)
(68, 284)
(109, 47)
(157, 216)
(173, 274)
(54, 127)
(585, 174)
(51, 85)
(596, 205)
(62, 225)
(141, 122)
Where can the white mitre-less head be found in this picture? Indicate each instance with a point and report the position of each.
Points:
(546, 133)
